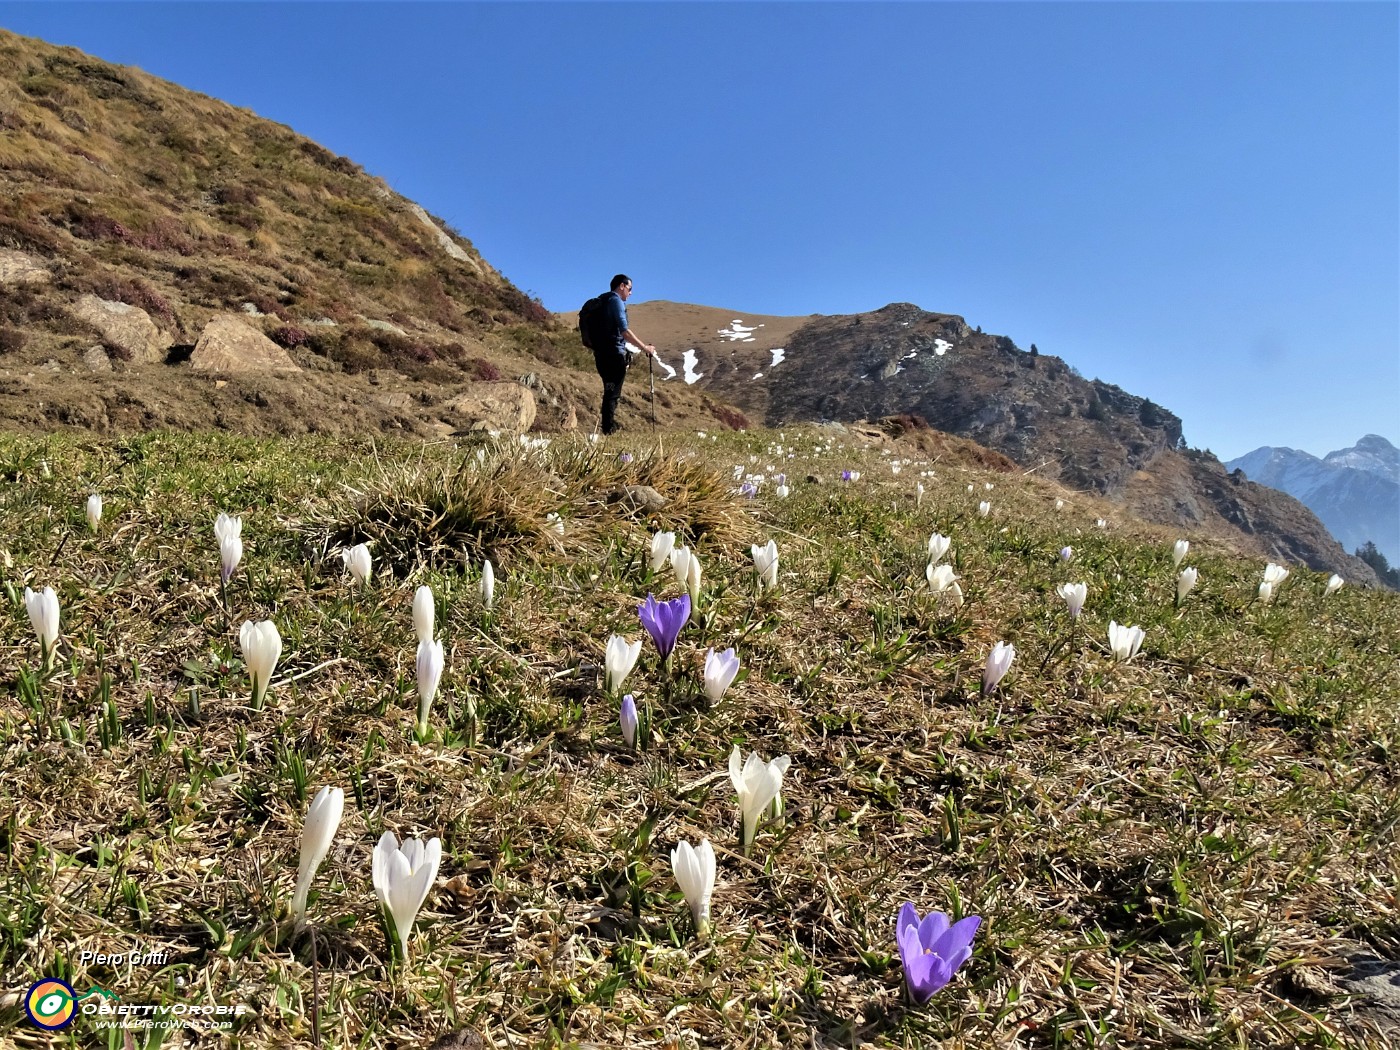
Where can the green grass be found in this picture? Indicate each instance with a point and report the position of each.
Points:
(1165, 853)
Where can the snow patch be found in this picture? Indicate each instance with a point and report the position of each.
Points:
(778, 355)
(758, 375)
(941, 346)
(670, 372)
(737, 331)
(688, 361)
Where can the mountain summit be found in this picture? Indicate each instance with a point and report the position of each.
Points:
(1354, 491)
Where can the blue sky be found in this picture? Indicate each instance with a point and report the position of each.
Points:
(1195, 201)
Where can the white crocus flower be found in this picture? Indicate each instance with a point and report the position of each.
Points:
(1059, 504)
(488, 584)
(1124, 641)
(757, 784)
(261, 645)
(1101, 523)
(918, 493)
(429, 667)
(781, 491)
(694, 869)
(402, 877)
(317, 834)
(423, 613)
(1185, 582)
(720, 669)
(228, 530)
(94, 511)
(984, 508)
(42, 607)
(1266, 592)
(1334, 584)
(1179, 549)
(1074, 595)
(940, 577)
(661, 546)
(998, 663)
(765, 563)
(226, 525)
(359, 561)
(618, 660)
(1274, 574)
(938, 546)
(554, 523)
(687, 566)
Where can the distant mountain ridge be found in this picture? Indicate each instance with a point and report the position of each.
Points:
(1354, 491)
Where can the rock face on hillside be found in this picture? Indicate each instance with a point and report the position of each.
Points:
(21, 268)
(1033, 408)
(229, 345)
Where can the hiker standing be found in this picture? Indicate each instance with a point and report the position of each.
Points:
(603, 326)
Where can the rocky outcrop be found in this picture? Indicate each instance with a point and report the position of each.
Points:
(494, 406)
(227, 344)
(20, 268)
(128, 328)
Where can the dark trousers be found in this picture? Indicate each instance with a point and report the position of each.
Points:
(612, 370)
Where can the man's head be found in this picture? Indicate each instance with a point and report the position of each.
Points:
(622, 285)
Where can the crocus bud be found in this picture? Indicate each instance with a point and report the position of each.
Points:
(765, 563)
(1179, 549)
(228, 531)
(618, 660)
(1124, 641)
(720, 669)
(1184, 583)
(918, 493)
(628, 720)
(984, 508)
(429, 666)
(694, 869)
(938, 546)
(359, 561)
(403, 876)
(94, 511)
(261, 645)
(1066, 553)
(423, 613)
(42, 607)
(998, 663)
(317, 834)
(1334, 584)
(1074, 595)
(1059, 504)
(488, 584)
(662, 543)
(1266, 592)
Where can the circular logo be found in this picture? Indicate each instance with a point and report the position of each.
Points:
(50, 1003)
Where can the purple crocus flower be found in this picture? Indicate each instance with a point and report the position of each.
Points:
(932, 950)
(628, 720)
(664, 620)
(624, 457)
(749, 489)
(845, 475)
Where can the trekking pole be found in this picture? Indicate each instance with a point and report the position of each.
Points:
(652, 376)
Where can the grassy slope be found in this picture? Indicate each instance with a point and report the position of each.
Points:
(1166, 853)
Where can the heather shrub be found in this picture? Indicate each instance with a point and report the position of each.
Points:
(730, 417)
(11, 340)
(483, 370)
(290, 336)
